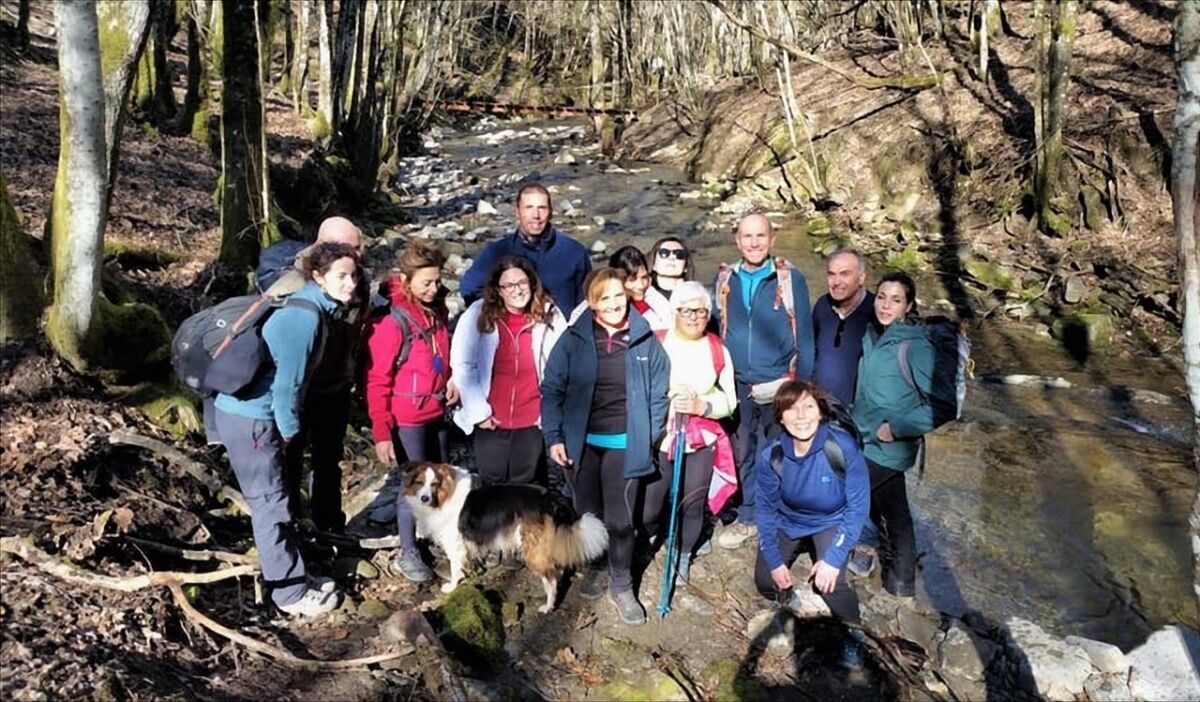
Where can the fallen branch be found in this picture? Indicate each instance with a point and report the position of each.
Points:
(189, 465)
(24, 549)
(200, 555)
(274, 652)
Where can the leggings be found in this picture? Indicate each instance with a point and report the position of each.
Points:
(693, 494)
(427, 442)
(600, 487)
(843, 601)
(890, 512)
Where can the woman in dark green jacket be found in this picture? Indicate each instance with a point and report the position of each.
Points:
(892, 416)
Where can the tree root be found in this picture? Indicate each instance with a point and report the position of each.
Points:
(189, 465)
(200, 555)
(24, 549)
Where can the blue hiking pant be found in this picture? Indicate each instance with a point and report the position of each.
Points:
(756, 424)
(256, 454)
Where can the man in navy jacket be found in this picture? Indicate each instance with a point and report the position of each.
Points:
(561, 262)
(840, 319)
(769, 339)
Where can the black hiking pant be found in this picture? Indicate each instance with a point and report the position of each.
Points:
(890, 513)
(843, 601)
(323, 431)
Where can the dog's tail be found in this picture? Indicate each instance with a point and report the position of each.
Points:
(579, 543)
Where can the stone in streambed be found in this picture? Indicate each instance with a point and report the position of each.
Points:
(1164, 668)
(1056, 669)
(1106, 657)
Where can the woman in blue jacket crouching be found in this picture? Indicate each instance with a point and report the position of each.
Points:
(813, 494)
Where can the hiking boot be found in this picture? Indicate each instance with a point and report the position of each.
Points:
(314, 603)
(593, 583)
(861, 563)
(628, 608)
(408, 565)
(852, 650)
(736, 534)
(321, 583)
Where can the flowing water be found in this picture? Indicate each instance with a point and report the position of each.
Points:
(1063, 505)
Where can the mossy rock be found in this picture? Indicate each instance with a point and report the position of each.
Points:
(319, 126)
(131, 255)
(374, 609)
(473, 622)
(169, 405)
(992, 275)
(910, 260)
(1084, 334)
(818, 226)
(728, 681)
(1095, 214)
(652, 686)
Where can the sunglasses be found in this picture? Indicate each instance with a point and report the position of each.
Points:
(677, 254)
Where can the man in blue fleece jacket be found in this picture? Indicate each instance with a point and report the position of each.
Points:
(561, 262)
(757, 326)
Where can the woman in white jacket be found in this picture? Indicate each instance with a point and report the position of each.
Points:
(497, 356)
(643, 297)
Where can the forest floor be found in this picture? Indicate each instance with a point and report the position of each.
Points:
(110, 508)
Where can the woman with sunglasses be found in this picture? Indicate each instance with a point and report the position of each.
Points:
(408, 381)
(671, 264)
(500, 349)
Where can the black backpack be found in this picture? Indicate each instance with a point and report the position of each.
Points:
(275, 260)
(839, 418)
(221, 350)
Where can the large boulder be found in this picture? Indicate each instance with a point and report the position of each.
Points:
(1164, 668)
(1106, 657)
(1055, 668)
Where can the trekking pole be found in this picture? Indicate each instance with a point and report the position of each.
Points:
(668, 579)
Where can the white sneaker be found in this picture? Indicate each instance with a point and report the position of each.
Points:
(322, 583)
(314, 603)
(736, 534)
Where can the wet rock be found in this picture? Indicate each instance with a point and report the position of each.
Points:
(774, 630)
(1106, 657)
(1107, 688)
(599, 246)
(408, 627)
(1057, 669)
(475, 233)
(1035, 381)
(963, 654)
(1090, 331)
(566, 157)
(600, 221)
(567, 209)
(484, 207)
(691, 195)
(728, 680)
(644, 685)
(1164, 668)
(916, 626)
(374, 609)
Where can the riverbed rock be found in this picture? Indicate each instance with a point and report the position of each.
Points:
(484, 207)
(644, 685)
(600, 221)
(774, 630)
(1106, 657)
(691, 195)
(1107, 687)
(1164, 668)
(599, 246)
(962, 654)
(1056, 669)
(407, 626)
(566, 157)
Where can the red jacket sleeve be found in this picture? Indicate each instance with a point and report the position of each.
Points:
(383, 343)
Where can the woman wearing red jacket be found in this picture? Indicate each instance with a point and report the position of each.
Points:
(407, 383)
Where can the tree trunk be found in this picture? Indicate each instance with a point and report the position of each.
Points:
(164, 24)
(1052, 93)
(300, 60)
(324, 68)
(244, 220)
(288, 20)
(23, 24)
(77, 212)
(596, 42)
(124, 28)
(989, 19)
(344, 45)
(197, 74)
(1185, 197)
(21, 301)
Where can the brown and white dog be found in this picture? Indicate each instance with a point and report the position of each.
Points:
(465, 518)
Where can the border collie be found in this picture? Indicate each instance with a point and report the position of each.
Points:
(465, 519)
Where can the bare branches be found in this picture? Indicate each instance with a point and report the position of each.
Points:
(190, 466)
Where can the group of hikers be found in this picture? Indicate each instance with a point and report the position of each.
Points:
(797, 422)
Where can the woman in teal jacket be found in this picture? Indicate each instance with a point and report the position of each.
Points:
(892, 416)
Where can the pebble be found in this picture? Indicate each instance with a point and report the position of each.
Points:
(565, 157)
(484, 207)
(599, 246)
(600, 221)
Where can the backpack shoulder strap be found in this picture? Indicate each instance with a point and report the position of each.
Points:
(406, 323)
(836, 457)
(906, 367)
(777, 459)
(718, 353)
(724, 273)
(783, 294)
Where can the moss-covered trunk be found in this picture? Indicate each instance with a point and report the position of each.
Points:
(1053, 80)
(244, 221)
(193, 118)
(21, 293)
(164, 30)
(78, 210)
(123, 29)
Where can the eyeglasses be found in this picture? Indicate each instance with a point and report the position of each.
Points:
(693, 312)
(514, 287)
(677, 254)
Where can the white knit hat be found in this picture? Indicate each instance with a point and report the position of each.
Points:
(690, 290)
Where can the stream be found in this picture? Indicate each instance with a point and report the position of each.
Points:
(1064, 503)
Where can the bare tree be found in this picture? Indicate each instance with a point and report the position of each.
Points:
(77, 216)
(23, 24)
(1056, 37)
(324, 67)
(21, 303)
(125, 27)
(1185, 197)
(300, 60)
